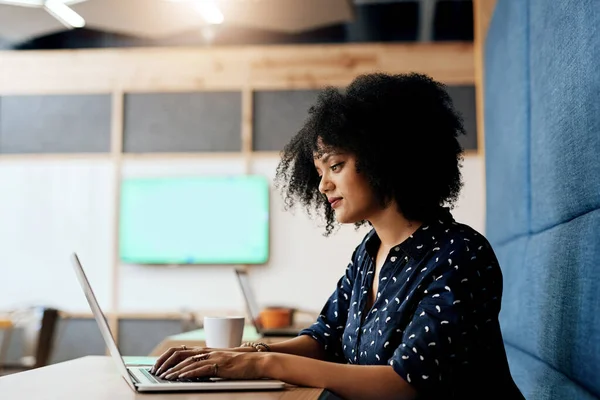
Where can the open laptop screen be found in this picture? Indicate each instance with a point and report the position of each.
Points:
(100, 319)
(251, 305)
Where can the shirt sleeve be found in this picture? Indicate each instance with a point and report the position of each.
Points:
(330, 325)
(449, 322)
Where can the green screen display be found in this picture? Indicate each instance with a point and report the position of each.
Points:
(195, 220)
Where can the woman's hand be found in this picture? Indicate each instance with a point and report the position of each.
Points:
(223, 364)
(175, 355)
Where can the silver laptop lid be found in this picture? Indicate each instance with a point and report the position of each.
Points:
(251, 305)
(100, 319)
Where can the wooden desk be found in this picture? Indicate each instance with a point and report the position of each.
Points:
(97, 378)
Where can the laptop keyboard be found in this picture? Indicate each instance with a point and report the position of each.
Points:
(156, 379)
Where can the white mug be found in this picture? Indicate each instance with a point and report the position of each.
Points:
(223, 332)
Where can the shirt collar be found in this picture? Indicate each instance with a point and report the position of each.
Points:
(423, 239)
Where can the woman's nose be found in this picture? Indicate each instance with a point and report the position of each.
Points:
(324, 185)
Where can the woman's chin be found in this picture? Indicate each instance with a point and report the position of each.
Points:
(344, 219)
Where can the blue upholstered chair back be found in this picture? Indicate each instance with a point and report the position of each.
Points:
(542, 149)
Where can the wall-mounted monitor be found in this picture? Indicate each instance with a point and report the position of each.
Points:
(194, 220)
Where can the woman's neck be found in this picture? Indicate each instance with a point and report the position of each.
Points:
(392, 227)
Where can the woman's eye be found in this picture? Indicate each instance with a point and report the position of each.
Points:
(336, 166)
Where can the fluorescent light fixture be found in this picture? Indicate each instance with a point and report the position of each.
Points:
(64, 14)
(209, 10)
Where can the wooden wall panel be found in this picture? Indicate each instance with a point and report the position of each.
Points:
(225, 68)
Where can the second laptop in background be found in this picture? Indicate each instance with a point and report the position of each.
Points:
(254, 311)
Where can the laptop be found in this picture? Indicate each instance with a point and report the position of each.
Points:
(254, 313)
(139, 377)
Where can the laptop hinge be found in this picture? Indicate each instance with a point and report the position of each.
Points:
(132, 375)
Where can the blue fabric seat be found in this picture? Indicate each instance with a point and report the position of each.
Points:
(542, 149)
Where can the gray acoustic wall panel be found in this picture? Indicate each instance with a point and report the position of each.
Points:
(278, 115)
(16, 345)
(464, 101)
(77, 337)
(138, 337)
(55, 124)
(182, 122)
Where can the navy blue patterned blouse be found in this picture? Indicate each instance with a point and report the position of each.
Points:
(435, 316)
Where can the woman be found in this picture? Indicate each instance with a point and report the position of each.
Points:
(416, 313)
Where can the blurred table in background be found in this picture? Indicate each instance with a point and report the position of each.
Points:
(6, 327)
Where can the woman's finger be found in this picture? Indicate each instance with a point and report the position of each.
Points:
(164, 356)
(183, 364)
(175, 359)
(196, 370)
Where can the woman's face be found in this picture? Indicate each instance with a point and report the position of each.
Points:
(347, 190)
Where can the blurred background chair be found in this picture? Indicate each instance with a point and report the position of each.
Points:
(39, 328)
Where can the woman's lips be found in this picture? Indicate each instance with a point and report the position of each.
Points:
(335, 201)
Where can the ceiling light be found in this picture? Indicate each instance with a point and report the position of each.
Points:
(64, 13)
(209, 10)
(59, 9)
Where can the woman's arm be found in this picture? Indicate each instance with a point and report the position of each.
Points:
(351, 382)
(304, 346)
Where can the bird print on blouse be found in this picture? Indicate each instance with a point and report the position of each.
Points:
(435, 316)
